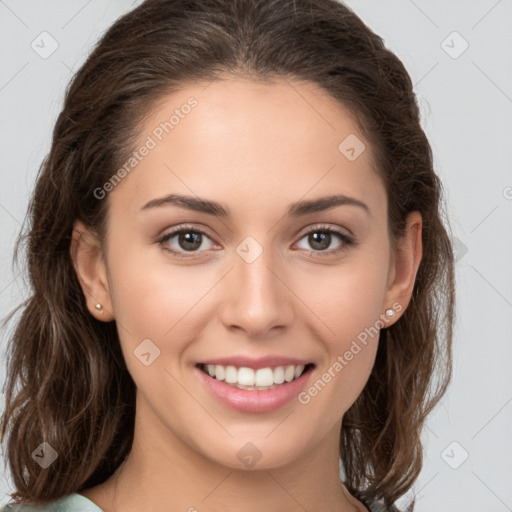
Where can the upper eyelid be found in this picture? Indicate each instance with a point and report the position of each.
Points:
(326, 227)
(304, 231)
(301, 234)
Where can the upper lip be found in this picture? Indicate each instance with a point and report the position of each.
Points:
(256, 363)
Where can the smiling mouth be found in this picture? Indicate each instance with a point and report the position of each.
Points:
(261, 379)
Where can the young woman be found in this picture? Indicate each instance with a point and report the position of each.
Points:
(241, 278)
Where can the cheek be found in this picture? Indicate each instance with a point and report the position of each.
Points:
(149, 295)
(351, 348)
(346, 298)
(156, 319)
(347, 304)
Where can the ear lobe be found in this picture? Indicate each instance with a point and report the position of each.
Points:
(88, 262)
(406, 262)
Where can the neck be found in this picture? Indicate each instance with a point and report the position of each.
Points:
(162, 472)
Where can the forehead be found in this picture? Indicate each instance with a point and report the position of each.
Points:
(252, 142)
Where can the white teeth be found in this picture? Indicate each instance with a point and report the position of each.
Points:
(289, 373)
(220, 372)
(279, 375)
(246, 376)
(298, 370)
(260, 379)
(264, 377)
(231, 375)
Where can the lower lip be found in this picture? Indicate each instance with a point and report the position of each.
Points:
(254, 401)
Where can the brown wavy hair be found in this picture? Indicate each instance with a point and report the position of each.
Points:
(73, 388)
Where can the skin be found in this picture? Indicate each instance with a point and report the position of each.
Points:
(256, 148)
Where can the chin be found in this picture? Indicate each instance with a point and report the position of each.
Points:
(256, 455)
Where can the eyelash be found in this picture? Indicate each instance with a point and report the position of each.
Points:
(346, 239)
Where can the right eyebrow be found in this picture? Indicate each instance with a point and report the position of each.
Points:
(297, 209)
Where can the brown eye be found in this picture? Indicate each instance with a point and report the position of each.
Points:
(320, 239)
(184, 240)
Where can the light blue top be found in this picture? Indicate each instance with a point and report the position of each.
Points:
(71, 503)
(78, 503)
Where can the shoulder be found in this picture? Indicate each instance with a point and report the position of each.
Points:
(71, 503)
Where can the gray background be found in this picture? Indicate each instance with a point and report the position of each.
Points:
(466, 103)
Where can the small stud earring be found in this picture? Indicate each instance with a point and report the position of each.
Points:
(98, 306)
(390, 313)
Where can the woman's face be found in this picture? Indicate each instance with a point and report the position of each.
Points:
(263, 285)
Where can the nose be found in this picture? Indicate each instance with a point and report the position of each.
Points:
(256, 299)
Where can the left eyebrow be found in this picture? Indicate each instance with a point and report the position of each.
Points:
(297, 209)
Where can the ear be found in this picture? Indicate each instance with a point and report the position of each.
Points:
(87, 257)
(404, 267)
